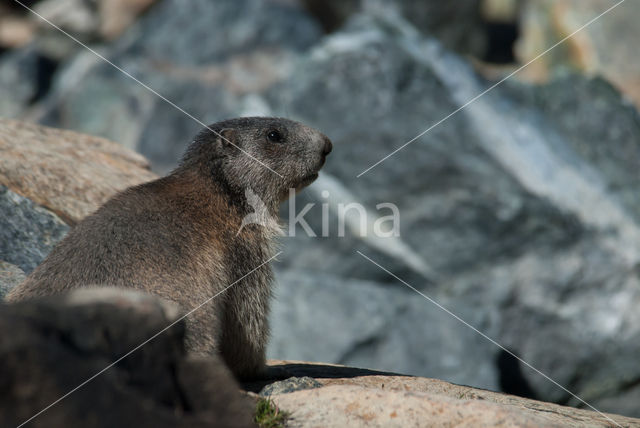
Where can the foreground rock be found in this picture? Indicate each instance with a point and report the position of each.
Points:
(68, 173)
(49, 347)
(363, 398)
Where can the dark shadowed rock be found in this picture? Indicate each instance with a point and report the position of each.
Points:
(49, 347)
(27, 231)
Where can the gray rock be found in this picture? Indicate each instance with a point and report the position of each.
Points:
(290, 385)
(520, 213)
(48, 347)
(433, 17)
(27, 231)
(364, 324)
(204, 59)
(528, 219)
(10, 276)
(18, 81)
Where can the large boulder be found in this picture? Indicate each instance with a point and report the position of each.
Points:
(109, 357)
(522, 207)
(70, 174)
(338, 396)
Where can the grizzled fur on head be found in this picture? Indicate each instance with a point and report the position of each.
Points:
(229, 152)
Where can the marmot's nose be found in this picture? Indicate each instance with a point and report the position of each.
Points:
(327, 146)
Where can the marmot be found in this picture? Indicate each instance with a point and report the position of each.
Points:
(182, 238)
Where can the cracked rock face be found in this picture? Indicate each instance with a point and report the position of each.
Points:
(50, 346)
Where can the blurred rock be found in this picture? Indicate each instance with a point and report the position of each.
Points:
(10, 276)
(458, 25)
(516, 204)
(290, 385)
(361, 398)
(606, 47)
(519, 213)
(204, 58)
(18, 81)
(364, 324)
(49, 347)
(27, 231)
(15, 30)
(68, 173)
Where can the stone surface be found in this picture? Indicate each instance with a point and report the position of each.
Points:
(68, 173)
(10, 276)
(48, 347)
(598, 49)
(367, 324)
(353, 397)
(290, 385)
(27, 231)
(18, 81)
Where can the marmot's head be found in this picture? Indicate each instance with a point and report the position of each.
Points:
(268, 155)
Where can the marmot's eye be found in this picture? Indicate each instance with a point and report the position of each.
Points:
(274, 136)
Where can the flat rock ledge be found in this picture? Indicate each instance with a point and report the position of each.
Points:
(344, 396)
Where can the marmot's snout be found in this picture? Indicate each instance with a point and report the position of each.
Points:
(327, 146)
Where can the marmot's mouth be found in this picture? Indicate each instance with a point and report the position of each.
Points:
(305, 181)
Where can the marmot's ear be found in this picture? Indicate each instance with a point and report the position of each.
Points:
(228, 137)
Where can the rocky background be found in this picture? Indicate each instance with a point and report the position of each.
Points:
(520, 214)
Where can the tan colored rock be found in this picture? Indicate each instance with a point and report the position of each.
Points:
(69, 173)
(364, 398)
(607, 47)
(117, 15)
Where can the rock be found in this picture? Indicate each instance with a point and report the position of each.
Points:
(514, 214)
(117, 15)
(349, 397)
(367, 324)
(66, 172)
(16, 30)
(27, 231)
(10, 276)
(432, 17)
(49, 347)
(604, 48)
(290, 385)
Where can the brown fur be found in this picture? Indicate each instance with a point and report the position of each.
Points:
(177, 237)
